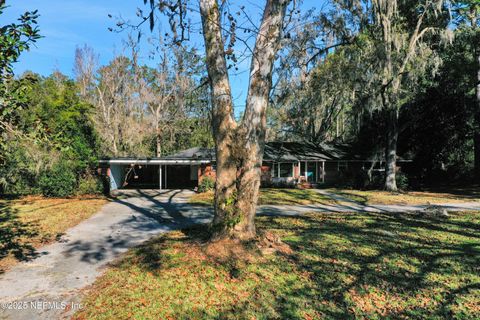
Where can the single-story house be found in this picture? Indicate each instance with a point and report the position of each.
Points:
(284, 163)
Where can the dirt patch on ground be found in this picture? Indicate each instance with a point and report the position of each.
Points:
(230, 252)
(230, 249)
(265, 243)
(269, 243)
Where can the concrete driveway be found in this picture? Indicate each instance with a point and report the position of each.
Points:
(42, 288)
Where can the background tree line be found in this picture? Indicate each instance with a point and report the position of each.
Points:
(55, 128)
(390, 78)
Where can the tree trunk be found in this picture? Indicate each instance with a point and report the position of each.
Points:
(114, 148)
(239, 149)
(223, 124)
(158, 141)
(391, 150)
(476, 137)
(254, 124)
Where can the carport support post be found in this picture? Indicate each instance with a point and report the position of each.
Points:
(306, 171)
(160, 177)
(323, 171)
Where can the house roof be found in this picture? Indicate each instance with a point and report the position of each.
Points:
(194, 153)
(274, 151)
(301, 151)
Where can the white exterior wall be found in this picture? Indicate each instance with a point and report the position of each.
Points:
(117, 174)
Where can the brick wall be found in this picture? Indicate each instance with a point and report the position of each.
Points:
(206, 170)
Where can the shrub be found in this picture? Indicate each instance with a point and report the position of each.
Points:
(206, 184)
(402, 181)
(378, 181)
(347, 179)
(361, 179)
(90, 184)
(283, 183)
(18, 174)
(59, 181)
(266, 183)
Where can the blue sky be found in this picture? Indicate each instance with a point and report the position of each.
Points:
(66, 24)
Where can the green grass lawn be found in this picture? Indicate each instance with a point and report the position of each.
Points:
(28, 223)
(410, 197)
(274, 196)
(367, 266)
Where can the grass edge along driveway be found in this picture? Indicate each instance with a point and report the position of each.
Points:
(373, 197)
(279, 196)
(274, 196)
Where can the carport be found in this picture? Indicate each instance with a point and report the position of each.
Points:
(152, 173)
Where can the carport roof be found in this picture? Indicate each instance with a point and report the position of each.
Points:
(194, 154)
(153, 161)
(187, 157)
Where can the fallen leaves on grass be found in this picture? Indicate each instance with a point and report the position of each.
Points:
(336, 266)
(33, 221)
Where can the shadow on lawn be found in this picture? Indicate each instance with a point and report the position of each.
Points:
(344, 265)
(386, 254)
(15, 235)
(351, 197)
(465, 192)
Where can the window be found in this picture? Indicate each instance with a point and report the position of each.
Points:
(286, 170)
(308, 169)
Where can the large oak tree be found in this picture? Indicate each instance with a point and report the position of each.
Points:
(239, 145)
